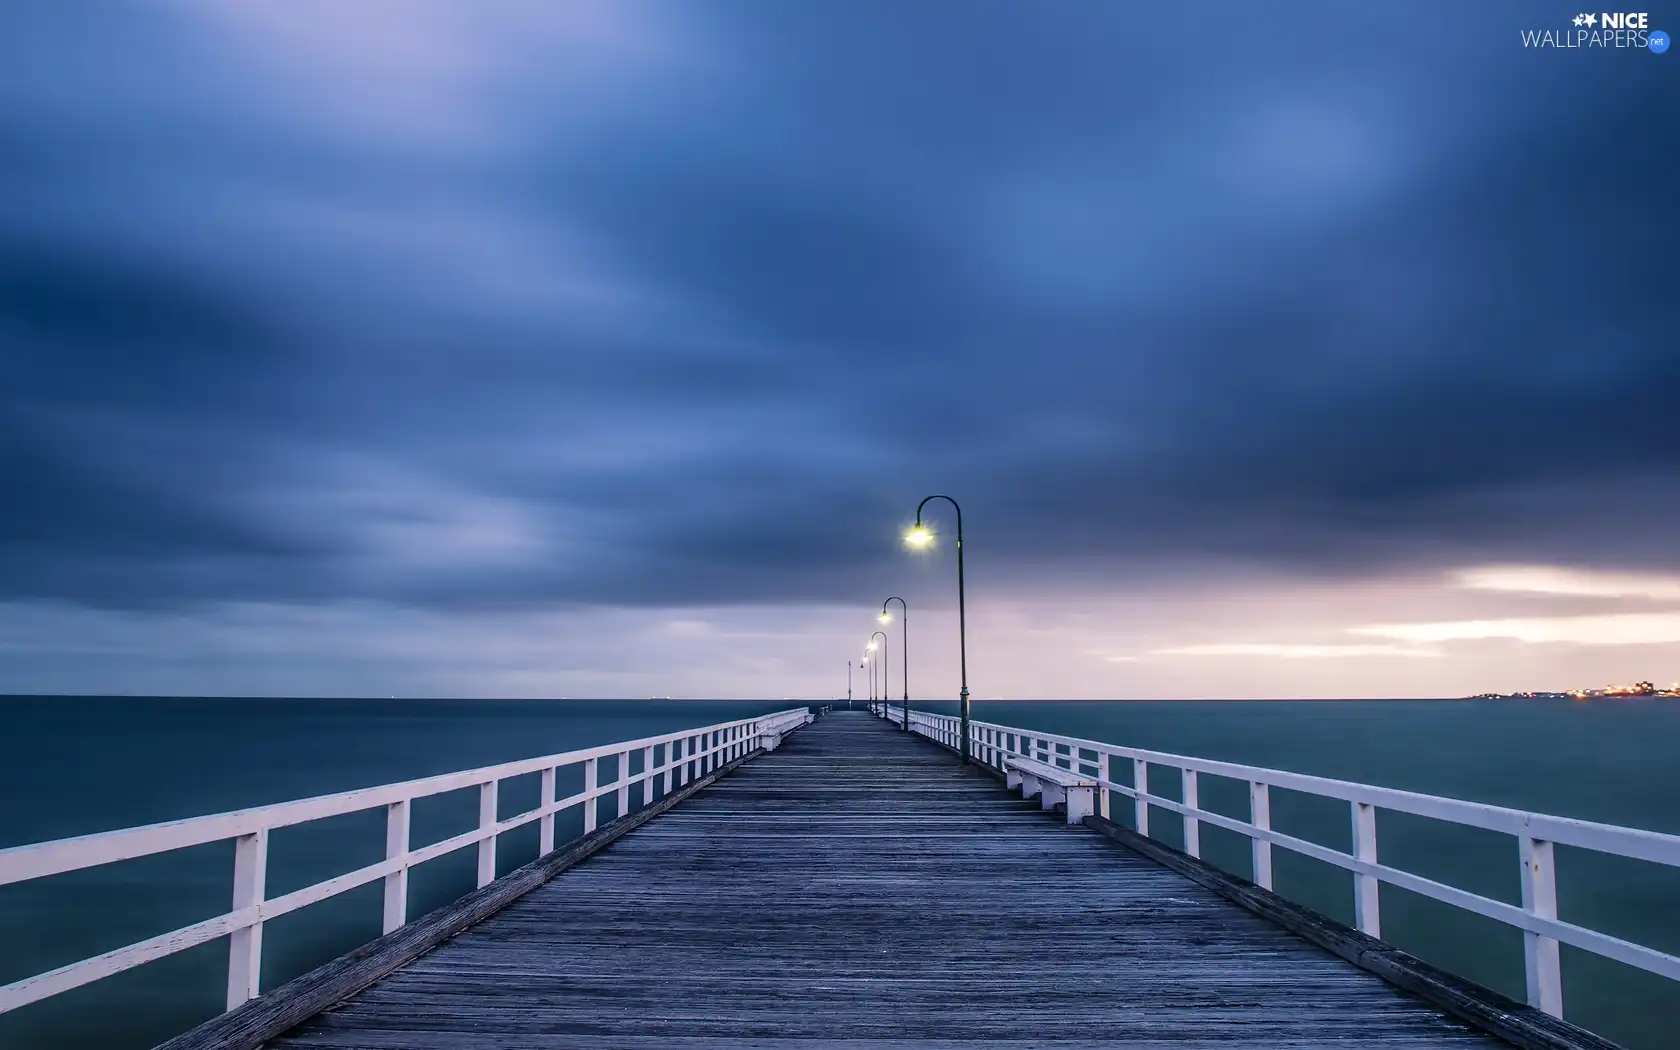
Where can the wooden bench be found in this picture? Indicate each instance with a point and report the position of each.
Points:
(1052, 784)
(770, 733)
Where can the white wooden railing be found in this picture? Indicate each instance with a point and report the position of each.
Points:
(1536, 833)
(683, 756)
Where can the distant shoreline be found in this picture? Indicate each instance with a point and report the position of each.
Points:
(791, 700)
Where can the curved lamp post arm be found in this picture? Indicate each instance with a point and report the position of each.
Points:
(962, 625)
(904, 662)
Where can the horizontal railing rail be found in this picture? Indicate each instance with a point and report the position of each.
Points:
(1536, 834)
(684, 755)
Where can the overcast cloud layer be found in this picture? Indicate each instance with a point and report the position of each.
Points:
(429, 347)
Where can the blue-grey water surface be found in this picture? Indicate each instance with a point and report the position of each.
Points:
(71, 766)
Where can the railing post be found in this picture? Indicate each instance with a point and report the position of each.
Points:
(1540, 953)
(1102, 792)
(1260, 815)
(396, 883)
(1192, 826)
(623, 783)
(545, 836)
(250, 873)
(487, 794)
(1365, 886)
(647, 775)
(590, 802)
(1140, 784)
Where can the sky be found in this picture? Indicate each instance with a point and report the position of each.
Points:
(606, 349)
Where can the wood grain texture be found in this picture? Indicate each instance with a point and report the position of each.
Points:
(860, 888)
(1517, 1024)
(258, 1020)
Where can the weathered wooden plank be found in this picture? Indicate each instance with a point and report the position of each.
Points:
(859, 887)
(1513, 1022)
(1517, 1023)
(258, 1020)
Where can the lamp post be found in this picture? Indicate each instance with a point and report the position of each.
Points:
(904, 633)
(920, 536)
(863, 661)
(848, 685)
(886, 666)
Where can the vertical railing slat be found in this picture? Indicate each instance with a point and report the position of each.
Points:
(591, 804)
(487, 796)
(1192, 826)
(1260, 815)
(545, 837)
(647, 775)
(396, 883)
(250, 875)
(1140, 784)
(623, 783)
(1365, 893)
(1102, 792)
(1543, 975)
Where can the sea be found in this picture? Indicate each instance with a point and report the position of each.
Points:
(78, 765)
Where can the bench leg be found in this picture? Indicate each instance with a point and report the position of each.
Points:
(1081, 803)
(1012, 779)
(1029, 785)
(1053, 794)
(770, 741)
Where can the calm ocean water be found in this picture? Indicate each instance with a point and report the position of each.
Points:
(72, 766)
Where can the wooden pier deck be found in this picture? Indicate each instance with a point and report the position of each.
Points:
(859, 887)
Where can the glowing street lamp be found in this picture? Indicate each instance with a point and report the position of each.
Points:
(904, 633)
(920, 537)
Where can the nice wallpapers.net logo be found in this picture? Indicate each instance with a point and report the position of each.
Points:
(1621, 30)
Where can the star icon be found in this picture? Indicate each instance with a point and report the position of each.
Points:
(1580, 20)
(1592, 20)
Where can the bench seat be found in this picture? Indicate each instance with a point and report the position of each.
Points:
(1053, 785)
(770, 734)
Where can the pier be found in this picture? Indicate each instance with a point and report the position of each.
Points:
(824, 878)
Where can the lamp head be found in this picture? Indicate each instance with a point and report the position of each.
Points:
(885, 617)
(872, 644)
(919, 536)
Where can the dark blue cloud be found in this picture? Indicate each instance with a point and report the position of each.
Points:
(632, 305)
